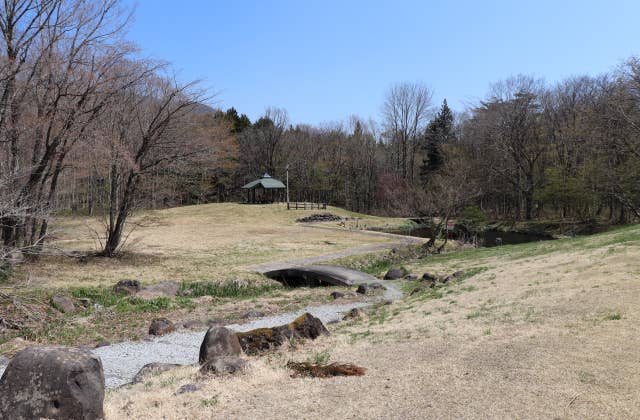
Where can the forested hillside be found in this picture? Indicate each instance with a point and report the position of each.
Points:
(87, 126)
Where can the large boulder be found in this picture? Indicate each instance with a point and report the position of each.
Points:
(394, 273)
(63, 304)
(161, 326)
(52, 383)
(127, 287)
(218, 342)
(263, 339)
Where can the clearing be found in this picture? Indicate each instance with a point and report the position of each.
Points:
(204, 242)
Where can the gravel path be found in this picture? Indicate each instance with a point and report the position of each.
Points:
(121, 361)
(366, 249)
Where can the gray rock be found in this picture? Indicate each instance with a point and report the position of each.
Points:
(217, 342)
(378, 286)
(152, 369)
(187, 388)
(4, 361)
(102, 344)
(52, 383)
(410, 277)
(63, 304)
(161, 326)
(394, 273)
(224, 365)
(363, 289)
(128, 287)
(164, 289)
(337, 295)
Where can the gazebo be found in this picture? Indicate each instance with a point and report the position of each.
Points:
(271, 190)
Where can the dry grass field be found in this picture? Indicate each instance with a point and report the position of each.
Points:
(198, 243)
(539, 330)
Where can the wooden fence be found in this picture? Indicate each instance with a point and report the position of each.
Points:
(306, 206)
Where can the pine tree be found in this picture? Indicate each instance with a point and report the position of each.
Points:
(439, 131)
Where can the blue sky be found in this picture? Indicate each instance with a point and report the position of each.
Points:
(327, 60)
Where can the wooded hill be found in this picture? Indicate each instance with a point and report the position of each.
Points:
(87, 127)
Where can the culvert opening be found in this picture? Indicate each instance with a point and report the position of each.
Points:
(303, 277)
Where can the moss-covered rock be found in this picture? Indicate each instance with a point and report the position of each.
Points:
(264, 339)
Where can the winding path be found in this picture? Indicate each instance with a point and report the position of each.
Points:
(361, 250)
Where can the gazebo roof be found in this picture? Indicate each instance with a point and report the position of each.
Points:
(265, 182)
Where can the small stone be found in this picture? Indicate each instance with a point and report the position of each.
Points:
(85, 302)
(152, 369)
(63, 304)
(128, 287)
(377, 286)
(161, 326)
(429, 277)
(394, 273)
(252, 314)
(224, 365)
(337, 295)
(445, 279)
(354, 313)
(363, 289)
(410, 277)
(457, 274)
(185, 389)
(102, 344)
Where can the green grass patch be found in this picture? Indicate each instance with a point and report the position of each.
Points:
(613, 317)
(226, 290)
(106, 297)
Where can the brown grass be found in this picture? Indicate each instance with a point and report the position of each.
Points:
(205, 242)
(533, 336)
(323, 370)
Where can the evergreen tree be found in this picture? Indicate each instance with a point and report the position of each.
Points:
(439, 131)
(238, 122)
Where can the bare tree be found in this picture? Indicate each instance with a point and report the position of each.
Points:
(146, 129)
(406, 111)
